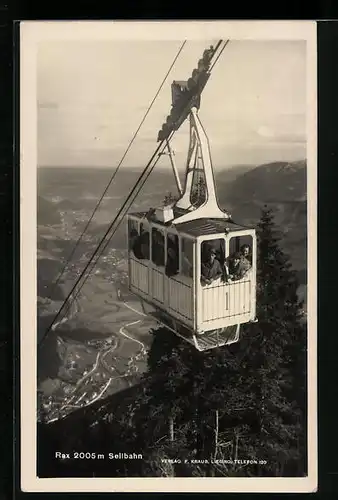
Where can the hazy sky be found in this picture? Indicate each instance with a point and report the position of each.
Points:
(93, 95)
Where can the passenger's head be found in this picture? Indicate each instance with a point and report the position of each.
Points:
(245, 250)
(212, 254)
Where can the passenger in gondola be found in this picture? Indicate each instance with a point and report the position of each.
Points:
(238, 267)
(246, 253)
(211, 269)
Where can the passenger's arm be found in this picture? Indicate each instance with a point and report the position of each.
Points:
(204, 279)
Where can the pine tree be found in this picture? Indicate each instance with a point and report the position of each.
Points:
(187, 386)
(277, 354)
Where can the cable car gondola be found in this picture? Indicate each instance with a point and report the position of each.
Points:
(182, 257)
(171, 249)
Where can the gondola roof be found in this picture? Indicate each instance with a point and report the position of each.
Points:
(196, 227)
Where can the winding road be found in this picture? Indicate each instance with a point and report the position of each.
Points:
(74, 399)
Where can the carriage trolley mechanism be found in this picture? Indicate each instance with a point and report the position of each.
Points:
(167, 245)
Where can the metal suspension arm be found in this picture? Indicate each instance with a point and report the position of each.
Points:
(199, 145)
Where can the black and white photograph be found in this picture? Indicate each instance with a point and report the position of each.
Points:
(168, 256)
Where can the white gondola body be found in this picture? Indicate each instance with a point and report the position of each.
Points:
(183, 298)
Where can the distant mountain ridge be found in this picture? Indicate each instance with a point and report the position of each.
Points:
(271, 182)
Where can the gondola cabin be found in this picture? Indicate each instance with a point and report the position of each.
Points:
(189, 262)
(166, 271)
